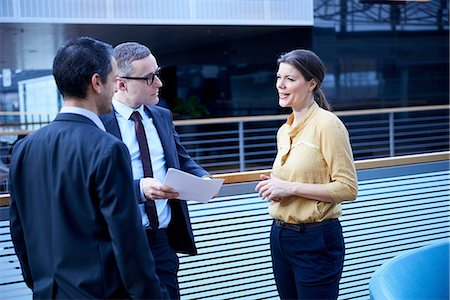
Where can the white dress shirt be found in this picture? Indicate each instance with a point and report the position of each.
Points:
(126, 126)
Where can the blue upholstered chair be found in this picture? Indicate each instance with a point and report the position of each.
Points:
(421, 273)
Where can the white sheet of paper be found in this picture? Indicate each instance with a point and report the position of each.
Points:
(191, 187)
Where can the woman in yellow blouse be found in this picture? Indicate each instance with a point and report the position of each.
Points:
(312, 174)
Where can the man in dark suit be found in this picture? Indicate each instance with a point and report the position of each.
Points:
(168, 229)
(75, 224)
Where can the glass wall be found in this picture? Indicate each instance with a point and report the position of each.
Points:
(231, 76)
(377, 55)
(384, 55)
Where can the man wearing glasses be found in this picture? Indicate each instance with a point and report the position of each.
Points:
(154, 146)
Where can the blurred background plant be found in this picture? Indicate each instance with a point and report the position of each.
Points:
(189, 108)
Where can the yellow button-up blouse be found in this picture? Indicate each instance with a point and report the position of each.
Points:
(317, 150)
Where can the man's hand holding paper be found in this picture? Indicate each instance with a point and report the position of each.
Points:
(190, 187)
(154, 189)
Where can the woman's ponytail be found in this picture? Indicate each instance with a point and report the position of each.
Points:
(321, 100)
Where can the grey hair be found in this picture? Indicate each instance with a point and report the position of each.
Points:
(126, 53)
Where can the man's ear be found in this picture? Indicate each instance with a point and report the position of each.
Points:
(96, 83)
(121, 85)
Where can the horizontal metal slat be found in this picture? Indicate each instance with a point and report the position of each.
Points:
(233, 214)
(196, 268)
(427, 177)
(219, 291)
(233, 205)
(220, 223)
(391, 205)
(211, 133)
(266, 291)
(241, 228)
(397, 246)
(234, 240)
(422, 145)
(362, 293)
(370, 205)
(383, 221)
(398, 227)
(389, 240)
(17, 290)
(236, 253)
(238, 274)
(426, 132)
(391, 196)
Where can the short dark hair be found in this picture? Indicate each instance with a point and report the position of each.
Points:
(75, 63)
(311, 67)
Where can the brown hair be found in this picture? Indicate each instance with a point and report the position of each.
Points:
(311, 67)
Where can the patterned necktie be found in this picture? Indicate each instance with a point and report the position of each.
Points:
(150, 207)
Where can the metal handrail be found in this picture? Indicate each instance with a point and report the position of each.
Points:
(248, 118)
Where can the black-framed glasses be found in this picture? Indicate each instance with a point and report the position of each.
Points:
(150, 78)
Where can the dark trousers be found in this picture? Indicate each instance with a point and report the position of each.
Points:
(307, 260)
(166, 261)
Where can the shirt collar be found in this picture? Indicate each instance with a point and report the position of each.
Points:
(295, 130)
(125, 111)
(84, 112)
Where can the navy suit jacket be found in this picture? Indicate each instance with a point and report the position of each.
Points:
(180, 233)
(74, 222)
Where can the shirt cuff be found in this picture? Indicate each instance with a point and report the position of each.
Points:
(143, 198)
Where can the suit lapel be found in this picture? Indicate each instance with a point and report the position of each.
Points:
(111, 124)
(163, 129)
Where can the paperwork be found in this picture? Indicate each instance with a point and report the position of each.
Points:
(191, 187)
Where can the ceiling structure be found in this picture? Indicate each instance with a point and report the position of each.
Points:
(33, 46)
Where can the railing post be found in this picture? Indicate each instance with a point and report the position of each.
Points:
(241, 147)
(391, 135)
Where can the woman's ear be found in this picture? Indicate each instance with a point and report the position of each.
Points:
(312, 84)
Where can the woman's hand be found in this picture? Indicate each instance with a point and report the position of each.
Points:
(274, 189)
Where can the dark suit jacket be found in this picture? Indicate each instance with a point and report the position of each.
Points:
(180, 233)
(75, 226)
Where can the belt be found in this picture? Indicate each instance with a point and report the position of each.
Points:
(303, 226)
(149, 229)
